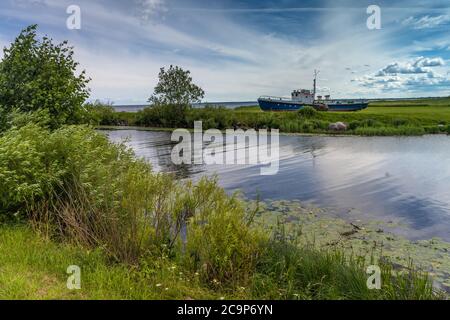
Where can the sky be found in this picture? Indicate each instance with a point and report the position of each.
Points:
(238, 50)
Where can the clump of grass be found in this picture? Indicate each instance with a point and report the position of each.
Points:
(307, 112)
(288, 270)
(221, 245)
(390, 131)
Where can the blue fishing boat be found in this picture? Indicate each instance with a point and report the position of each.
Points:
(346, 105)
(302, 98)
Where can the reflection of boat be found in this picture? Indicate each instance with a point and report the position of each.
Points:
(302, 98)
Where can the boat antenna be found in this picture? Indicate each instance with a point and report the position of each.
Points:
(316, 73)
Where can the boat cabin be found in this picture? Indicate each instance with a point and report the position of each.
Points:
(302, 95)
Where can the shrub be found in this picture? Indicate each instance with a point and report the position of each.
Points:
(167, 116)
(221, 245)
(37, 74)
(98, 113)
(307, 112)
(26, 172)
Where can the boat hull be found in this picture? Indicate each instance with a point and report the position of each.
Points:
(347, 106)
(279, 105)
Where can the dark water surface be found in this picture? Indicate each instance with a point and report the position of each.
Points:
(403, 179)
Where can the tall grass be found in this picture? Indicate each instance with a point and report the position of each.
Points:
(76, 187)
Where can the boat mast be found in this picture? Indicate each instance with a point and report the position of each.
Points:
(316, 72)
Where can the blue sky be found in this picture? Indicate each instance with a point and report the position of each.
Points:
(239, 50)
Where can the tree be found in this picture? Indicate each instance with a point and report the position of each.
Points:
(37, 75)
(175, 87)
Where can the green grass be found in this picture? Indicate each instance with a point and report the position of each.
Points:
(407, 117)
(34, 267)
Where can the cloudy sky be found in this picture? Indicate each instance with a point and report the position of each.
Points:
(239, 50)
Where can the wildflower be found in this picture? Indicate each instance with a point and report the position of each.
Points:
(159, 285)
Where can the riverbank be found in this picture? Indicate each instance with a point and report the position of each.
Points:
(383, 118)
(368, 239)
(34, 267)
(70, 197)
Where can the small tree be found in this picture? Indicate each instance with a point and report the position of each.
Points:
(175, 87)
(39, 75)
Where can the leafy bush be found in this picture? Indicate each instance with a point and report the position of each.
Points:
(98, 113)
(37, 74)
(166, 116)
(26, 172)
(220, 243)
(307, 112)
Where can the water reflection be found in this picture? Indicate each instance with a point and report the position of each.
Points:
(402, 179)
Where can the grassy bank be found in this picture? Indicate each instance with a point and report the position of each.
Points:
(70, 197)
(34, 267)
(408, 117)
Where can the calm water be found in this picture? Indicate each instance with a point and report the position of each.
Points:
(404, 179)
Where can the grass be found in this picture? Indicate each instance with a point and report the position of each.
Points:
(405, 117)
(71, 197)
(34, 267)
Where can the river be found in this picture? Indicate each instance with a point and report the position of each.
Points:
(401, 179)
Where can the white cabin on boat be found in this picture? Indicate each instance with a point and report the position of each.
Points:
(303, 95)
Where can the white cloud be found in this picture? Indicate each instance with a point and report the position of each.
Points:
(426, 22)
(149, 9)
(417, 66)
(411, 75)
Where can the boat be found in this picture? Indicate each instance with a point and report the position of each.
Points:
(303, 97)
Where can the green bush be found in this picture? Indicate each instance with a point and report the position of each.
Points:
(166, 116)
(26, 171)
(221, 245)
(98, 113)
(307, 112)
(37, 74)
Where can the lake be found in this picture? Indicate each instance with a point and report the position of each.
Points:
(401, 179)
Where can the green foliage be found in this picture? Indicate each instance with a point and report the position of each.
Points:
(25, 171)
(36, 74)
(221, 246)
(175, 87)
(287, 271)
(307, 112)
(162, 115)
(98, 113)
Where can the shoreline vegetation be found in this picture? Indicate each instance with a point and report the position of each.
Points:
(70, 197)
(382, 118)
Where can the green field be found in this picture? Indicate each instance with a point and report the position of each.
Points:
(381, 118)
(424, 111)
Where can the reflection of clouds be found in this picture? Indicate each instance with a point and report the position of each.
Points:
(403, 179)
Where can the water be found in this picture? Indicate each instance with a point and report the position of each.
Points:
(403, 179)
(230, 105)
